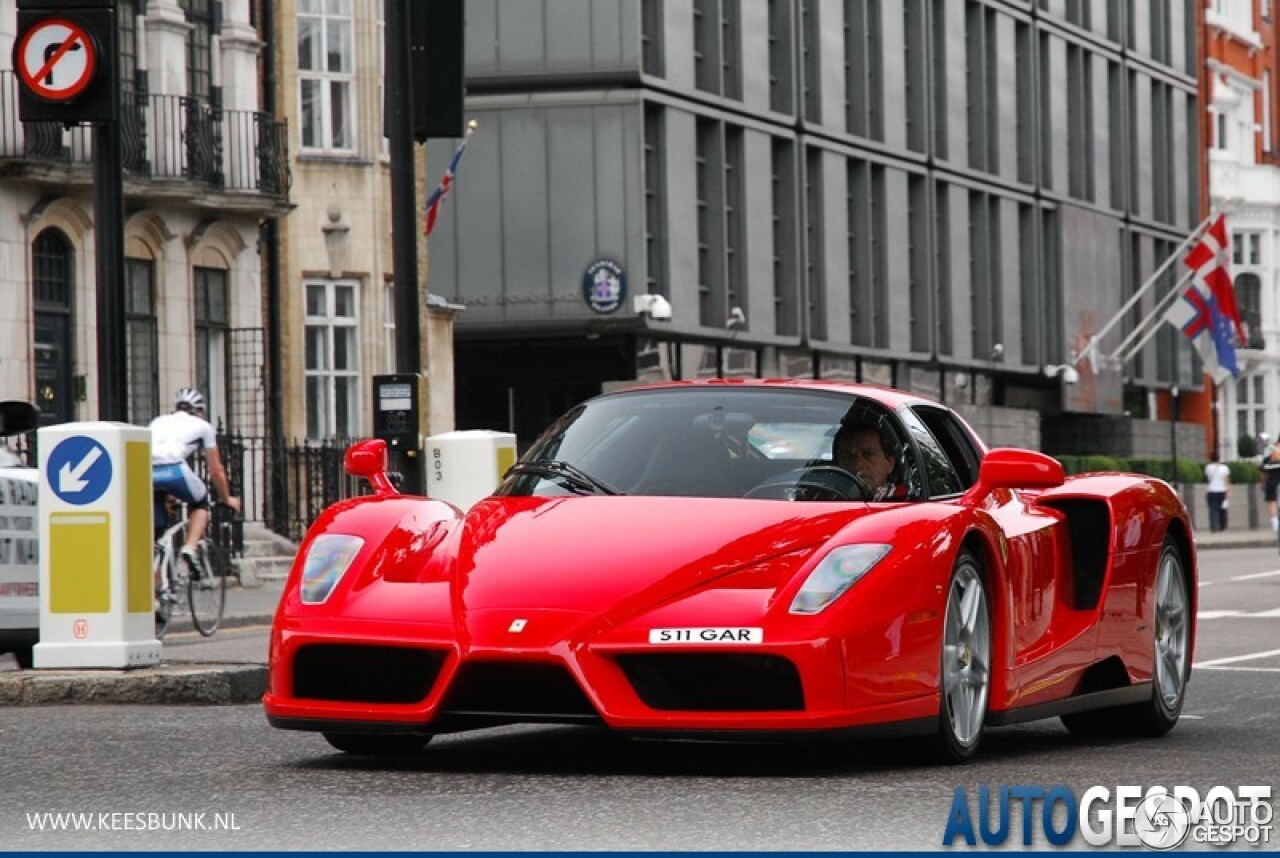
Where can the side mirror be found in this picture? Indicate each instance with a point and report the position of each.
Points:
(1010, 468)
(17, 417)
(368, 460)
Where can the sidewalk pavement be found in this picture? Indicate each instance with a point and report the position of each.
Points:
(178, 679)
(1257, 538)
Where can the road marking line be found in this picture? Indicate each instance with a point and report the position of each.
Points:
(1233, 659)
(1247, 615)
(1256, 575)
(1240, 669)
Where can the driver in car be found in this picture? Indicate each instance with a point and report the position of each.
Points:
(871, 455)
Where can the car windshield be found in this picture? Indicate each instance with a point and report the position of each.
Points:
(703, 442)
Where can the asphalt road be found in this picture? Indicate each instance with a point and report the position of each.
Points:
(574, 788)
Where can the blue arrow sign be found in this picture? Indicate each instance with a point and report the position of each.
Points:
(79, 470)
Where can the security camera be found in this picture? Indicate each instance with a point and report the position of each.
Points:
(997, 351)
(656, 306)
(1069, 373)
(737, 318)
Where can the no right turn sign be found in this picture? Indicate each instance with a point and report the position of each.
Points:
(65, 59)
(56, 59)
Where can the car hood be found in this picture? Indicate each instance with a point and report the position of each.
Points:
(603, 555)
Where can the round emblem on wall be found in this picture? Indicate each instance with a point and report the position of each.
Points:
(604, 286)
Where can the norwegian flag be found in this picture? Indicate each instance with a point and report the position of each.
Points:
(1197, 315)
(435, 200)
(1208, 260)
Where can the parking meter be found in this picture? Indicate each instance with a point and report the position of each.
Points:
(396, 420)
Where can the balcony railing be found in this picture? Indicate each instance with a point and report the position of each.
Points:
(163, 137)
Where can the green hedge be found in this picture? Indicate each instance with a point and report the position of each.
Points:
(1189, 471)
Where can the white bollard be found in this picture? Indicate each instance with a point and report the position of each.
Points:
(96, 596)
(463, 467)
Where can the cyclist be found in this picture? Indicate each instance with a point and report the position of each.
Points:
(174, 437)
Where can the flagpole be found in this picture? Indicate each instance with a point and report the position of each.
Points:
(1146, 287)
(1161, 307)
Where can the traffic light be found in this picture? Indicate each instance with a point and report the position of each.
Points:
(436, 68)
(65, 58)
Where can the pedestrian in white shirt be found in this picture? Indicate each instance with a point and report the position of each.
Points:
(1219, 476)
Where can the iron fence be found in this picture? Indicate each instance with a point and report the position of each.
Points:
(163, 137)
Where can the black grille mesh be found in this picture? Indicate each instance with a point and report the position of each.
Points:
(364, 674)
(715, 682)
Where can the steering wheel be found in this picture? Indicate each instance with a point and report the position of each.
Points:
(813, 483)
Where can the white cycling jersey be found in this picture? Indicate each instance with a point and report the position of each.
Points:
(176, 436)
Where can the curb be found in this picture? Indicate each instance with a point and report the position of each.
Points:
(182, 622)
(1261, 541)
(170, 684)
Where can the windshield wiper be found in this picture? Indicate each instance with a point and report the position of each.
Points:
(573, 476)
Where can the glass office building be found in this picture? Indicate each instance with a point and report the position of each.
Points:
(948, 196)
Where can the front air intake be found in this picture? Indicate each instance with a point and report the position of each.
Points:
(518, 691)
(364, 674)
(715, 682)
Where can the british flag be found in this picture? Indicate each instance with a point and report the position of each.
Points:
(435, 200)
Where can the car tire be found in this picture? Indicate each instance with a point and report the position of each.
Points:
(25, 657)
(378, 744)
(965, 677)
(1171, 667)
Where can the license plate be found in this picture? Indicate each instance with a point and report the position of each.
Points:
(716, 635)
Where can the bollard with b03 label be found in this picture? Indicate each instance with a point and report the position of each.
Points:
(65, 59)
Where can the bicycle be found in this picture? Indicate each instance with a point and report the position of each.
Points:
(204, 593)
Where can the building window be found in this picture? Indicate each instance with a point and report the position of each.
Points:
(810, 60)
(654, 214)
(864, 102)
(326, 74)
(1080, 124)
(52, 288)
(332, 364)
(786, 289)
(651, 36)
(868, 254)
(127, 14)
(781, 76)
(1246, 248)
(389, 327)
(717, 40)
(1249, 297)
(213, 355)
(141, 347)
(199, 15)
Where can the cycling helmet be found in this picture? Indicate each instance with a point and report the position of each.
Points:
(189, 397)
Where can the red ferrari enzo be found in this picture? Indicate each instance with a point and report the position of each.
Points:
(743, 558)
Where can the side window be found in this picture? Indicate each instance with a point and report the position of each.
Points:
(940, 475)
(955, 440)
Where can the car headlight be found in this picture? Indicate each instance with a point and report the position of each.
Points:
(328, 558)
(837, 572)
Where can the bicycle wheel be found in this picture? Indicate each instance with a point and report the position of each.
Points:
(163, 600)
(206, 590)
